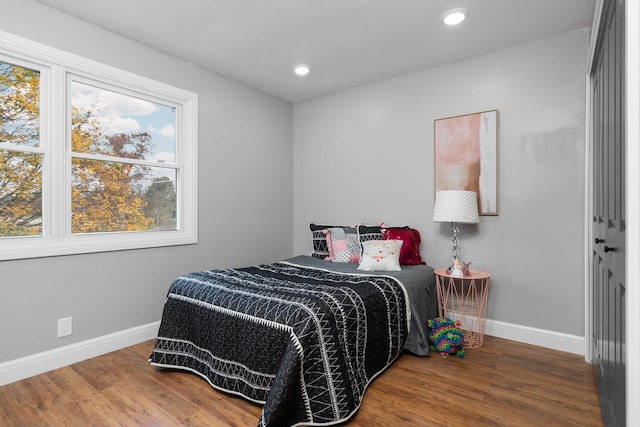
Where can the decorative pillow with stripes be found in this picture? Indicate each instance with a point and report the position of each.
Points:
(319, 240)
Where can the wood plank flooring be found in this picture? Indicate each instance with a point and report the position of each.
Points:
(502, 383)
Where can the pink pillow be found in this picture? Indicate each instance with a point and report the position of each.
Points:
(342, 244)
(410, 251)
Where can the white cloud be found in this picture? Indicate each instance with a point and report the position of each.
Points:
(164, 157)
(107, 103)
(114, 112)
(118, 125)
(169, 131)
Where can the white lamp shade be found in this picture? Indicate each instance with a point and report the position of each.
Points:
(456, 206)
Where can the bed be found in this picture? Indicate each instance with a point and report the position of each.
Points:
(303, 337)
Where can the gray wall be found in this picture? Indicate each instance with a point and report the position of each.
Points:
(366, 154)
(245, 199)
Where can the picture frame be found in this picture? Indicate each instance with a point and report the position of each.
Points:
(466, 157)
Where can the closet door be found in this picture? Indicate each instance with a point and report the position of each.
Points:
(608, 226)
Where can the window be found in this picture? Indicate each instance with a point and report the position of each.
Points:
(123, 173)
(91, 158)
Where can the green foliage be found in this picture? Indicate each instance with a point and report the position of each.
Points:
(160, 198)
(20, 172)
(106, 196)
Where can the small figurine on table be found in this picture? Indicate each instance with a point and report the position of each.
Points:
(465, 268)
(456, 271)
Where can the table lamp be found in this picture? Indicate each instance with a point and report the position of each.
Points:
(456, 206)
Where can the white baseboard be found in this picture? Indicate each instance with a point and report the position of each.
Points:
(25, 367)
(28, 366)
(540, 337)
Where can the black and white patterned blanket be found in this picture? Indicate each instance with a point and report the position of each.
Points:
(306, 342)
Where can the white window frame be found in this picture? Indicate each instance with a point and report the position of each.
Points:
(56, 68)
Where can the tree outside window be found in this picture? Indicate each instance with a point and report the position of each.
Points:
(92, 158)
(20, 161)
(120, 144)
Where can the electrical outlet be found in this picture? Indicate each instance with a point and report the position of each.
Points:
(64, 327)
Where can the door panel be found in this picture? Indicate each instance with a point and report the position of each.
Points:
(608, 303)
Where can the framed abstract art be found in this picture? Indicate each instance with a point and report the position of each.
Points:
(466, 157)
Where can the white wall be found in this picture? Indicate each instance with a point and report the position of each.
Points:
(366, 154)
(245, 199)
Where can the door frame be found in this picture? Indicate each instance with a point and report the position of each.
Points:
(632, 249)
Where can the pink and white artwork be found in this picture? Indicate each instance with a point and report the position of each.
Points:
(466, 157)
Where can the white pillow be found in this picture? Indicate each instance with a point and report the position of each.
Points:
(380, 255)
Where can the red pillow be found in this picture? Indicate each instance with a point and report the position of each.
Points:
(410, 251)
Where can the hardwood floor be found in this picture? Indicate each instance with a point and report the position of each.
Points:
(502, 383)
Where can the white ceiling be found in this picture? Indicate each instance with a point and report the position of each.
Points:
(347, 43)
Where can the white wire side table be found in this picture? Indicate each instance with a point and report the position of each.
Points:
(464, 299)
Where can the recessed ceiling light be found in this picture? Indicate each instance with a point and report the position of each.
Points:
(301, 70)
(454, 16)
